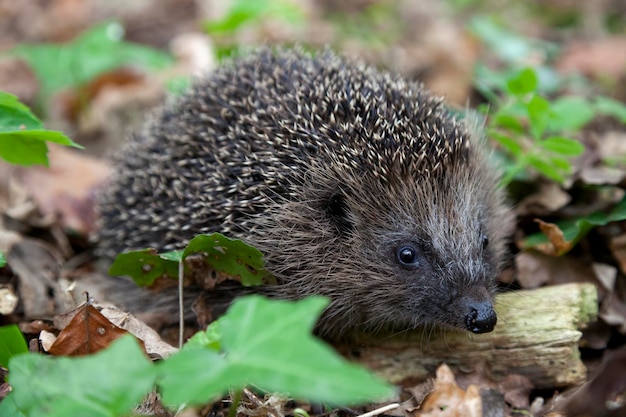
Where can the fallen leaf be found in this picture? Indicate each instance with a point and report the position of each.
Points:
(598, 58)
(88, 332)
(38, 267)
(67, 187)
(548, 198)
(556, 237)
(535, 269)
(448, 400)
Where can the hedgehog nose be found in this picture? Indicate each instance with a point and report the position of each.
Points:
(481, 317)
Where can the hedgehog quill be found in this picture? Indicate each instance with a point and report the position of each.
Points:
(355, 184)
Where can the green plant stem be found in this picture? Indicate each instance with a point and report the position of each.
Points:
(181, 307)
(235, 400)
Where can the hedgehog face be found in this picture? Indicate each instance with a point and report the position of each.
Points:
(408, 251)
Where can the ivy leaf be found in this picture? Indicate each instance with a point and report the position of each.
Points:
(269, 344)
(106, 384)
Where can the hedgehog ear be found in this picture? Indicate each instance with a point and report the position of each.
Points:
(339, 213)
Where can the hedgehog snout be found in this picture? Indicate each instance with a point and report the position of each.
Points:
(480, 316)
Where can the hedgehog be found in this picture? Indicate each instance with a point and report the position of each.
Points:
(354, 183)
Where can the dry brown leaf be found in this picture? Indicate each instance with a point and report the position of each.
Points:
(8, 299)
(549, 198)
(598, 58)
(67, 187)
(618, 249)
(87, 332)
(154, 345)
(604, 395)
(535, 269)
(37, 266)
(559, 245)
(448, 400)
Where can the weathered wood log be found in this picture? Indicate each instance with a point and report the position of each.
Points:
(537, 336)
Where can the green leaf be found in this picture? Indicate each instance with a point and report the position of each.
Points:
(523, 83)
(244, 12)
(268, 344)
(22, 136)
(549, 170)
(509, 122)
(144, 266)
(3, 260)
(222, 254)
(232, 256)
(209, 338)
(106, 384)
(575, 229)
(507, 44)
(610, 107)
(9, 408)
(508, 143)
(28, 147)
(563, 146)
(96, 51)
(570, 114)
(15, 116)
(12, 343)
(539, 114)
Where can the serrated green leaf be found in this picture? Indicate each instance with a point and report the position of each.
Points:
(143, 266)
(12, 343)
(523, 83)
(268, 344)
(106, 384)
(563, 146)
(575, 229)
(232, 256)
(570, 114)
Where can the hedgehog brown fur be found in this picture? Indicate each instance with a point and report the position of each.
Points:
(354, 183)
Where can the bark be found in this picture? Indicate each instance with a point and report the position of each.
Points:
(537, 336)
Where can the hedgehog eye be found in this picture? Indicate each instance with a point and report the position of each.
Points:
(485, 241)
(407, 255)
